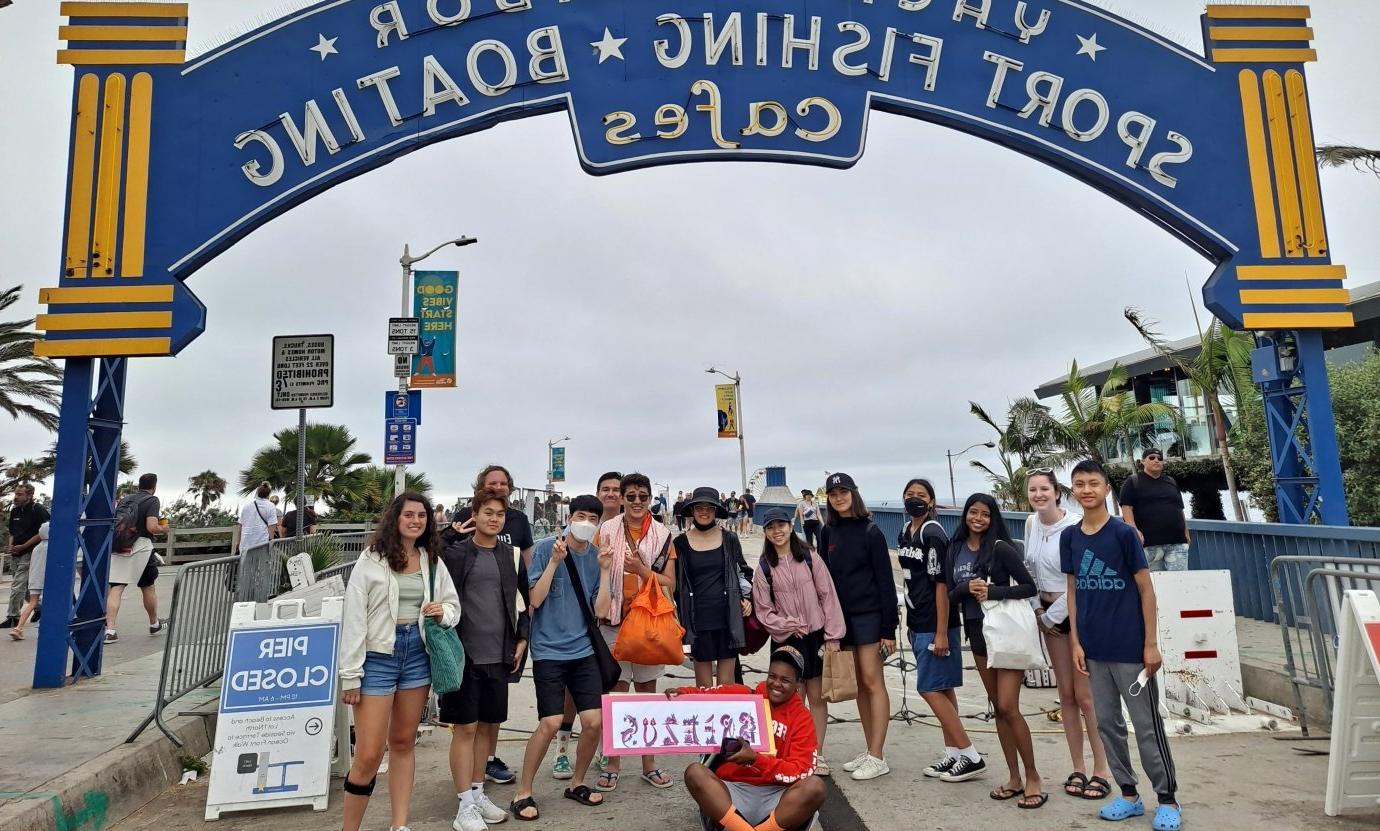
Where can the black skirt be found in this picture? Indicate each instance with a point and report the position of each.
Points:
(864, 628)
(811, 648)
(714, 645)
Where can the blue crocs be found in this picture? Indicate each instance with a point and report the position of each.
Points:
(1167, 818)
(1122, 808)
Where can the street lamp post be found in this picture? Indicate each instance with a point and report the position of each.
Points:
(738, 397)
(407, 261)
(550, 467)
(953, 498)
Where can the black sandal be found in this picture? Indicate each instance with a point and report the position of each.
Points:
(583, 795)
(1040, 800)
(1077, 785)
(1098, 788)
(520, 805)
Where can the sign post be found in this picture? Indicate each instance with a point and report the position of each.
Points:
(1353, 762)
(277, 709)
(303, 378)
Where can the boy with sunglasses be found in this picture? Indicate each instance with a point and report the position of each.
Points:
(1152, 504)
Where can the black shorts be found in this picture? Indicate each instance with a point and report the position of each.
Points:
(977, 644)
(864, 628)
(150, 573)
(714, 645)
(554, 678)
(811, 648)
(482, 697)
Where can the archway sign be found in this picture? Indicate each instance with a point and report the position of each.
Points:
(175, 159)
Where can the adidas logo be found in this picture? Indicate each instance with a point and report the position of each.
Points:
(1093, 575)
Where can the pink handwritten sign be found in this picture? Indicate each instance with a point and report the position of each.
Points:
(637, 724)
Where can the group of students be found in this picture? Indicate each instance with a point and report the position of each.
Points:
(812, 600)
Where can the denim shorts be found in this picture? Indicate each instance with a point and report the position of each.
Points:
(933, 673)
(406, 669)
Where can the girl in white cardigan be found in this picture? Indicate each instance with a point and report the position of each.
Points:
(384, 671)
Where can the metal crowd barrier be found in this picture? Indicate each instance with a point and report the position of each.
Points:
(1307, 600)
(199, 617)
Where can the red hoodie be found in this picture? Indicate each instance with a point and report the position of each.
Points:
(795, 741)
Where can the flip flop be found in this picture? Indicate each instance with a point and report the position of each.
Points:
(607, 781)
(650, 777)
(583, 795)
(1040, 800)
(1003, 794)
(1077, 785)
(520, 805)
(1098, 788)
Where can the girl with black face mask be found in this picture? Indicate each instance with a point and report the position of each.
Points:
(713, 589)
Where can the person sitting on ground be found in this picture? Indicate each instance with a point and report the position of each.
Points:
(752, 792)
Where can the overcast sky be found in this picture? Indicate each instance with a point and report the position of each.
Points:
(864, 308)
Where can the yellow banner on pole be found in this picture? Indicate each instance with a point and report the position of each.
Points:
(726, 396)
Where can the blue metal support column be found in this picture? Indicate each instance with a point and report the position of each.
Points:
(88, 457)
(1304, 455)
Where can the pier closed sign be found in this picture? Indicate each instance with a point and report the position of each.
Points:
(277, 709)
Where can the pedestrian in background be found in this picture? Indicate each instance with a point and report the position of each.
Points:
(26, 517)
(385, 674)
(807, 513)
(258, 522)
(37, 562)
(986, 566)
(855, 551)
(1043, 530)
(1152, 504)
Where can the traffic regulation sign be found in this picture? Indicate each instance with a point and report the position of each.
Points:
(403, 327)
(402, 366)
(303, 372)
(400, 441)
(403, 404)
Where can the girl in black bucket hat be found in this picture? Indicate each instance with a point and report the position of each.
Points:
(713, 588)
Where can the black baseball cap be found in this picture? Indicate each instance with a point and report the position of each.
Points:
(839, 480)
(1152, 451)
(777, 515)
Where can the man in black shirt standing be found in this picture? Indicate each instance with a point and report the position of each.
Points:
(26, 517)
(1152, 504)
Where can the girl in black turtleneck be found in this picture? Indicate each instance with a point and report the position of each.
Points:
(856, 553)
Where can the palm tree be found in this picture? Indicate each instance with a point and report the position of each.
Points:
(28, 470)
(207, 486)
(29, 386)
(1223, 362)
(333, 464)
(48, 461)
(125, 488)
(1029, 438)
(376, 488)
(1093, 419)
(1340, 155)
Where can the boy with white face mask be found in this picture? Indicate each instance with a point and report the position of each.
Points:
(562, 653)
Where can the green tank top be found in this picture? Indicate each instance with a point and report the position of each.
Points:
(411, 592)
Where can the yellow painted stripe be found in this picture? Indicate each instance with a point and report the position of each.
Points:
(1301, 126)
(83, 171)
(1264, 55)
(1252, 297)
(1260, 32)
(120, 57)
(108, 177)
(1286, 181)
(96, 321)
(137, 177)
(79, 9)
(1298, 320)
(1257, 155)
(103, 347)
(139, 34)
(1291, 272)
(1218, 11)
(106, 294)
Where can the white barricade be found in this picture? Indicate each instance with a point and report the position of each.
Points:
(1353, 763)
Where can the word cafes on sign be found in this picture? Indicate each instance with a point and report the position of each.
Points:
(635, 724)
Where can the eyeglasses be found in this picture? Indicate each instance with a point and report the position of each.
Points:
(638, 497)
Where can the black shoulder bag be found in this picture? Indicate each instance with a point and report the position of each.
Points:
(609, 671)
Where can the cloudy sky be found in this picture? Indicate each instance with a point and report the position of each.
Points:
(864, 308)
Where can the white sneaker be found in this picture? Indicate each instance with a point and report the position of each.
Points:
(855, 763)
(468, 818)
(871, 768)
(491, 813)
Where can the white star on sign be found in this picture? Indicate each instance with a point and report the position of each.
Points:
(609, 47)
(325, 46)
(1089, 46)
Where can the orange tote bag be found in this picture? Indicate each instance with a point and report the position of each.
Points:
(650, 634)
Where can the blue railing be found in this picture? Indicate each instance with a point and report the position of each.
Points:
(1243, 548)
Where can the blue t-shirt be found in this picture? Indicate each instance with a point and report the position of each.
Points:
(558, 625)
(1110, 624)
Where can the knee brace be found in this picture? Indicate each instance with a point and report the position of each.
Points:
(360, 790)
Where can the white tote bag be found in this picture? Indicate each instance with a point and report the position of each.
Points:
(1012, 635)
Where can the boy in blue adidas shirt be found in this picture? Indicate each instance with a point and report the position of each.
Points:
(1115, 644)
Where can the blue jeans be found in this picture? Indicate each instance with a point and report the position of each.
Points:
(406, 669)
(1171, 557)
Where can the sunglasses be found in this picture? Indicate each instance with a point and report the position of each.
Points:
(1038, 471)
(1157, 457)
(638, 497)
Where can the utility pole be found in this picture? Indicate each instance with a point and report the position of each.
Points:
(953, 499)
